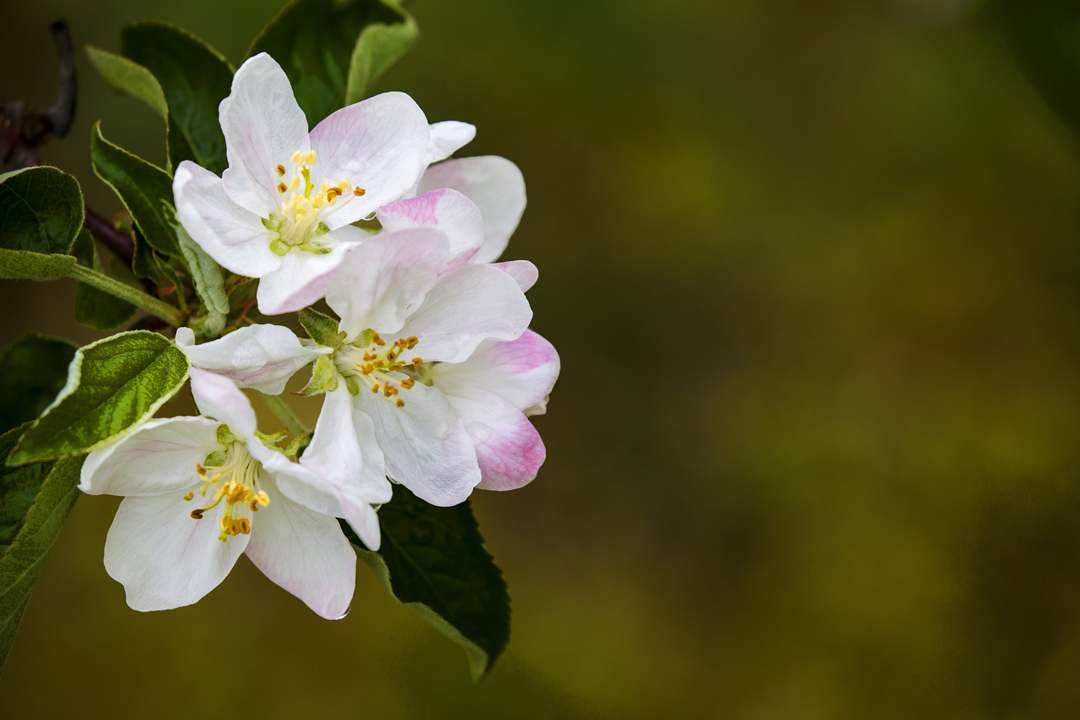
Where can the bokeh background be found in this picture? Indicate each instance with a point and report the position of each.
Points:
(814, 273)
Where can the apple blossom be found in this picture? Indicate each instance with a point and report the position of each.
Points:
(199, 491)
(283, 209)
(436, 353)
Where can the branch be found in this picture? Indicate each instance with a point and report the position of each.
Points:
(110, 237)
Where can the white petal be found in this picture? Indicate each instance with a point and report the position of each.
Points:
(521, 371)
(446, 210)
(234, 237)
(466, 307)
(493, 183)
(379, 144)
(263, 127)
(302, 279)
(304, 552)
(385, 279)
(525, 274)
(508, 447)
(349, 466)
(263, 357)
(158, 458)
(218, 397)
(165, 558)
(426, 446)
(447, 138)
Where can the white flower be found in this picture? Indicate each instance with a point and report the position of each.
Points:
(437, 355)
(283, 209)
(199, 491)
(263, 357)
(494, 183)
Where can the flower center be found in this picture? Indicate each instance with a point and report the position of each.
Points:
(379, 366)
(296, 223)
(234, 475)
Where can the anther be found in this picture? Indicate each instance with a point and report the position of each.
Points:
(375, 388)
(407, 383)
(378, 340)
(280, 170)
(197, 513)
(359, 191)
(190, 494)
(399, 402)
(282, 187)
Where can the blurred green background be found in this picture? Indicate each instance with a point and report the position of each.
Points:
(814, 273)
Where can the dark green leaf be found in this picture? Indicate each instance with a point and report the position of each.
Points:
(145, 190)
(194, 79)
(113, 384)
(1043, 38)
(328, 53)
(433, 559)
(32, 371)
(321, 328)
(95, 308)
(35, 534)
(41, 210)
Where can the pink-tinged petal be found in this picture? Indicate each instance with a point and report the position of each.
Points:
(385, 279)
(304, 552)
(446, 210)
(218, 397)
(467, 306)
(521, 372)
(158, 458)
(425, 443)
(447, 138)
(379, 144)
(163, 557)
(263, 357)
(525, 274)
(263, 127)
(508, 447)
(234, 237)
(493, 183)
(302, 279)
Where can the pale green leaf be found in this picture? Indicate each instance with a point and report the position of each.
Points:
(113, 385)
(209, 285)
(129, 78)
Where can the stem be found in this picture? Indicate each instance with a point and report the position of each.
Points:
(125, 292)
(285, 414)
(112, 238)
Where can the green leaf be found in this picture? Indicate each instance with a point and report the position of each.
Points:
(321, 328)
(129, 78)
(332, 50)
(145, 190)
(433, 559)
(93, 307)
(380, 46)
(113, 384)
(41, 212)
(209, 285)
(194, 78)
(32, 371)
(46, 491)
(27, 265)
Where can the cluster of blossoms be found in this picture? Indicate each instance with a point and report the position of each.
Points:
(428, 381)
